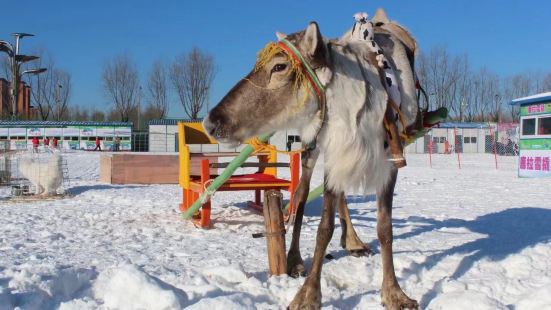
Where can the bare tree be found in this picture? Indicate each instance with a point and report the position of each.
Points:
(546, 85)
(517, 86)
(469, 95)
(464, 89)
(77, 113)
(61, 83)
(440, 74)
(537, 79)
(50, 91)
(158, 91)
(42, 90)
(121, 84)
(97, 116)
(485, 87)
(191, 75)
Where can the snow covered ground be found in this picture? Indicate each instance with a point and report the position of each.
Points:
(474, 238)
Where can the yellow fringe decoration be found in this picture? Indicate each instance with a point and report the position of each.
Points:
(266, 147)
(270, 51)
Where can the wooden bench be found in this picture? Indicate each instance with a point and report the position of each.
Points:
(198, 168)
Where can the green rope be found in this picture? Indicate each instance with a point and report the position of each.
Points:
(222, 178)
(306, 65)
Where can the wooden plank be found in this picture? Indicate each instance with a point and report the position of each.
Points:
(223, 154)
(195, 165)
(144, 169)
(251, 165)
(275, 232)
(105, 168)
(253, 185)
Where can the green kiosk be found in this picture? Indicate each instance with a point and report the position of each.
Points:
(535, 135)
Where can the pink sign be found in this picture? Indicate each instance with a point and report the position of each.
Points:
(537, 163)
(539, 108)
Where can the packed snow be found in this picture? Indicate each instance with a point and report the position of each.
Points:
(474, 237)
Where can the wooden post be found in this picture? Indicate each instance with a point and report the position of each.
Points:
(430, 151)
(275, 232)
(492, 133)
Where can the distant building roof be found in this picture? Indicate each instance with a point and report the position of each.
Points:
(4, 123)
(463, 125)
(537, 98)
(173, 121)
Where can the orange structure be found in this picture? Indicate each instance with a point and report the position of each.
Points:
(197, 169)
(24, 109)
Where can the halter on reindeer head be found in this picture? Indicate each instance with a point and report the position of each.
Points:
(282, 90)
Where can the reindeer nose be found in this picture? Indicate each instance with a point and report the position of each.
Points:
(209, 126)
(215, 119)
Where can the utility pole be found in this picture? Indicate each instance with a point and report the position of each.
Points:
(16, 60)
(139, 107)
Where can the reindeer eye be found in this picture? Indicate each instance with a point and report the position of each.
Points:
(279, 67)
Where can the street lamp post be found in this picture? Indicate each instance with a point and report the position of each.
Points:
(57, 111)
(16, 60)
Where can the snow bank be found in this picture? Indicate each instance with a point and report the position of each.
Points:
(230, 302)
(540, 299)
(44, 286)
(126, 287)
(465, 300)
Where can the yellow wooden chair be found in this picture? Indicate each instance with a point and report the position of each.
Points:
(198, 168)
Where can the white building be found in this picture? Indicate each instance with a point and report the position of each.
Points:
(466, 138)
(71, 135)
(163, 137)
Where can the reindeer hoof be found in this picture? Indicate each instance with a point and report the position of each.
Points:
(295, 265)
(296, 270)
(307, 298)
(360, 252)
(395, 299)
(355, 246)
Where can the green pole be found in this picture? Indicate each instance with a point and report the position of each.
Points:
(315, 193)
(432, 118)
(222, 178)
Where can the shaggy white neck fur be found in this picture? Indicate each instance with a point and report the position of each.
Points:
(352, 137)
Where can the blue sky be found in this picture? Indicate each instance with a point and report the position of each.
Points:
(505, 36)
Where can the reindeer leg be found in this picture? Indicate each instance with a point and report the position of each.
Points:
(309, 295)
(392, 296)
(349, 239)
(295, 264)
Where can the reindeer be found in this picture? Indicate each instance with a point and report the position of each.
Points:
(387, 34)
(333, 92)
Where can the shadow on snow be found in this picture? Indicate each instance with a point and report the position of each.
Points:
(77, 190)
(506, 232)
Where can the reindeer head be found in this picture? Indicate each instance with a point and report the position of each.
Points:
(275, 95)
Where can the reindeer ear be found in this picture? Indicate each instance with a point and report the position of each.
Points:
(313, 42)
(380, 17)
(280, 36)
